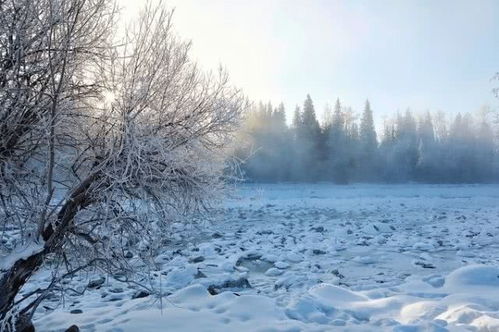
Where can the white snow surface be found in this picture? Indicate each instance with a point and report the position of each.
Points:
(318, 257)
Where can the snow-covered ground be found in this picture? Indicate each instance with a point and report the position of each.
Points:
(312, 258)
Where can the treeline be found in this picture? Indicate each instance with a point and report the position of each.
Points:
(344, 148)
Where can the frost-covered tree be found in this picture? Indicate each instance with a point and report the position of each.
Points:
(123, 140)
(50, 52)
(327, 118)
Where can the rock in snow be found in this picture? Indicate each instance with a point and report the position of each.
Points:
(140, 294)
(94, 283)
(234, 284)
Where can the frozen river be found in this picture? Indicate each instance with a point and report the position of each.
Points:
(320, 257)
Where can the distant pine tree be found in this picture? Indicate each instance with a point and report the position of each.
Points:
(307, 143)
(309, 120)
(485, 151)
(427, 168)
(405, 149)
(338, 150)
(368, 145)
(338, 125)
(297, 118)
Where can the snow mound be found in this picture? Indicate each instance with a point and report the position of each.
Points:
(458, 302)
(335, 295)
(421, 311)
(473, 275)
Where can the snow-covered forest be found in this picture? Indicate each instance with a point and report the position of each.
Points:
(344, 146)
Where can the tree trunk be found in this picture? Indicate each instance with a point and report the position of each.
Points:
(18, 274)
(14, 279)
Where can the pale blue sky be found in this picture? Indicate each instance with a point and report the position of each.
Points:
(426, 55)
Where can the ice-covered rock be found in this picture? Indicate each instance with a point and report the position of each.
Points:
(294, 257)
(231, 284)
(307, 310)
(140, 294)
(288, 280)
(281, 265)
(228, 266)
(96, 282)
(180, 277)
(207, 249)
(423, 246)
(434, 280)
(273, 272)
(197, 259)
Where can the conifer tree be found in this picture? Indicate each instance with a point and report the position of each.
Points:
(426, 168)
(406, 148)
(297, 118)
(368, 144)
(337, 143)
(309, 120)
(308, 142)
